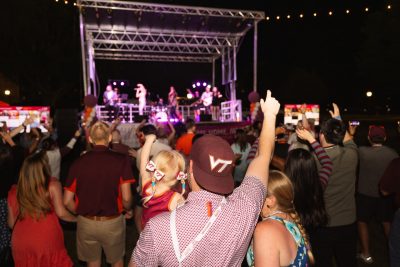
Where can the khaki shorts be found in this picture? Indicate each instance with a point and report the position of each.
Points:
(93, 236)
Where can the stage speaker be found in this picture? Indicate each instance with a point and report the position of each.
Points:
(205, 117)
(139, 118)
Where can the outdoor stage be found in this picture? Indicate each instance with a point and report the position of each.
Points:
(224, 129)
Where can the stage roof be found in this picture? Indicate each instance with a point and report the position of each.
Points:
(123, 30)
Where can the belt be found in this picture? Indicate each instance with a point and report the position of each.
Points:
(101, 218)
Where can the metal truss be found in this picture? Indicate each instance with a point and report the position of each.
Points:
(172, 9)
(154, 48)
(159, 58)
(163, 38)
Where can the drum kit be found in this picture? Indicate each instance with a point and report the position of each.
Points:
(159, 114)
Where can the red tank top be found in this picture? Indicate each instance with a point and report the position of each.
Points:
(156, 205)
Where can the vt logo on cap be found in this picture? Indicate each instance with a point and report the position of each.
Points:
(214, 163)
(212, 159)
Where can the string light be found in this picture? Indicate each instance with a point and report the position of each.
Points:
(267, 18)
(366, 9)
(315, 14)
(347, 11)
(74, 4)
(301, 16)
(288, 16)
(330, 13)
(278, 17)
(66, 2)
(389, 7)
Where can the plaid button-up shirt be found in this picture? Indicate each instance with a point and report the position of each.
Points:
(226, 242)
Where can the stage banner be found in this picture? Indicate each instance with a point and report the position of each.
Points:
(225, 130)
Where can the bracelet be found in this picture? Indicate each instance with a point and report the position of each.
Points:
(338, 117)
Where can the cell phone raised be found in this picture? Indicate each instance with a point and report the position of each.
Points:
(354, 123)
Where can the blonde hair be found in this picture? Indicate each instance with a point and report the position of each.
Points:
(100, 131)
(170, 163)
(33, 187)
(280, 186)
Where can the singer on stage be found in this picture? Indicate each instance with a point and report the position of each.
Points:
(141, 95)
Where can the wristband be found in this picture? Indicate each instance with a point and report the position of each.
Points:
(338, 117)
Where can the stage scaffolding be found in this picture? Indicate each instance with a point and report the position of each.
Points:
(124, 30)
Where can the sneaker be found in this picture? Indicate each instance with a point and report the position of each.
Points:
(365, 259)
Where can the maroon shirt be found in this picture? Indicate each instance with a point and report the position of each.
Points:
(96, 179)
(390, 181)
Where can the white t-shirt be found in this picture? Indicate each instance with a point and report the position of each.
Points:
(240, 170)
(54, 157)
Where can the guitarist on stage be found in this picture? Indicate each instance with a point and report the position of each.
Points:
(109, 100)
(206, 98)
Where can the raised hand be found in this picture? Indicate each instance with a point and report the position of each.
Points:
(269, 106)
(305, 135)
(352, 129)
(77, 133)
(303, 108)
(28, 121)
(336, 112)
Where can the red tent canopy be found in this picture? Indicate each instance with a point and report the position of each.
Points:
(4, 104)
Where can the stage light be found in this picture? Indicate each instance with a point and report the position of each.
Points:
(288, 16)
(122, 83)
(366, 9)
(301, 16)
(389, 7)
(198, 83)
(204, 84)
(209, 86)
(330, 13)
(278, 17)
(369, 94)
(189, 96)
(114, 83)
(194, 85)
(7, 92)
(315, 14)
(347, 11)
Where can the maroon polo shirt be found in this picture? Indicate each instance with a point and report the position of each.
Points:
(390, 181)
(95, 179)
(120, 148)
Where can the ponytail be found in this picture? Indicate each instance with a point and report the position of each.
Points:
(296, 218)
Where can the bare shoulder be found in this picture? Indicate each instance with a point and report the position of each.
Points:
(269, 230)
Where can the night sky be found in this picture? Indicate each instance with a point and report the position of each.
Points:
(315, 60)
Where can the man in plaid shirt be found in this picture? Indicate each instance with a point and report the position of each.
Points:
(215, 225)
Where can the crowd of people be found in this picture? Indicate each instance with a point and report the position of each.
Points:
(276, 196)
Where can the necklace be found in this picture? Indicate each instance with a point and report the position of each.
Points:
(273, 214)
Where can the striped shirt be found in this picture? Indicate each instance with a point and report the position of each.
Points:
(325, 161)
(320, 153)
(226, 242)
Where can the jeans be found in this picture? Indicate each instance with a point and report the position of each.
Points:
(394, 241)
